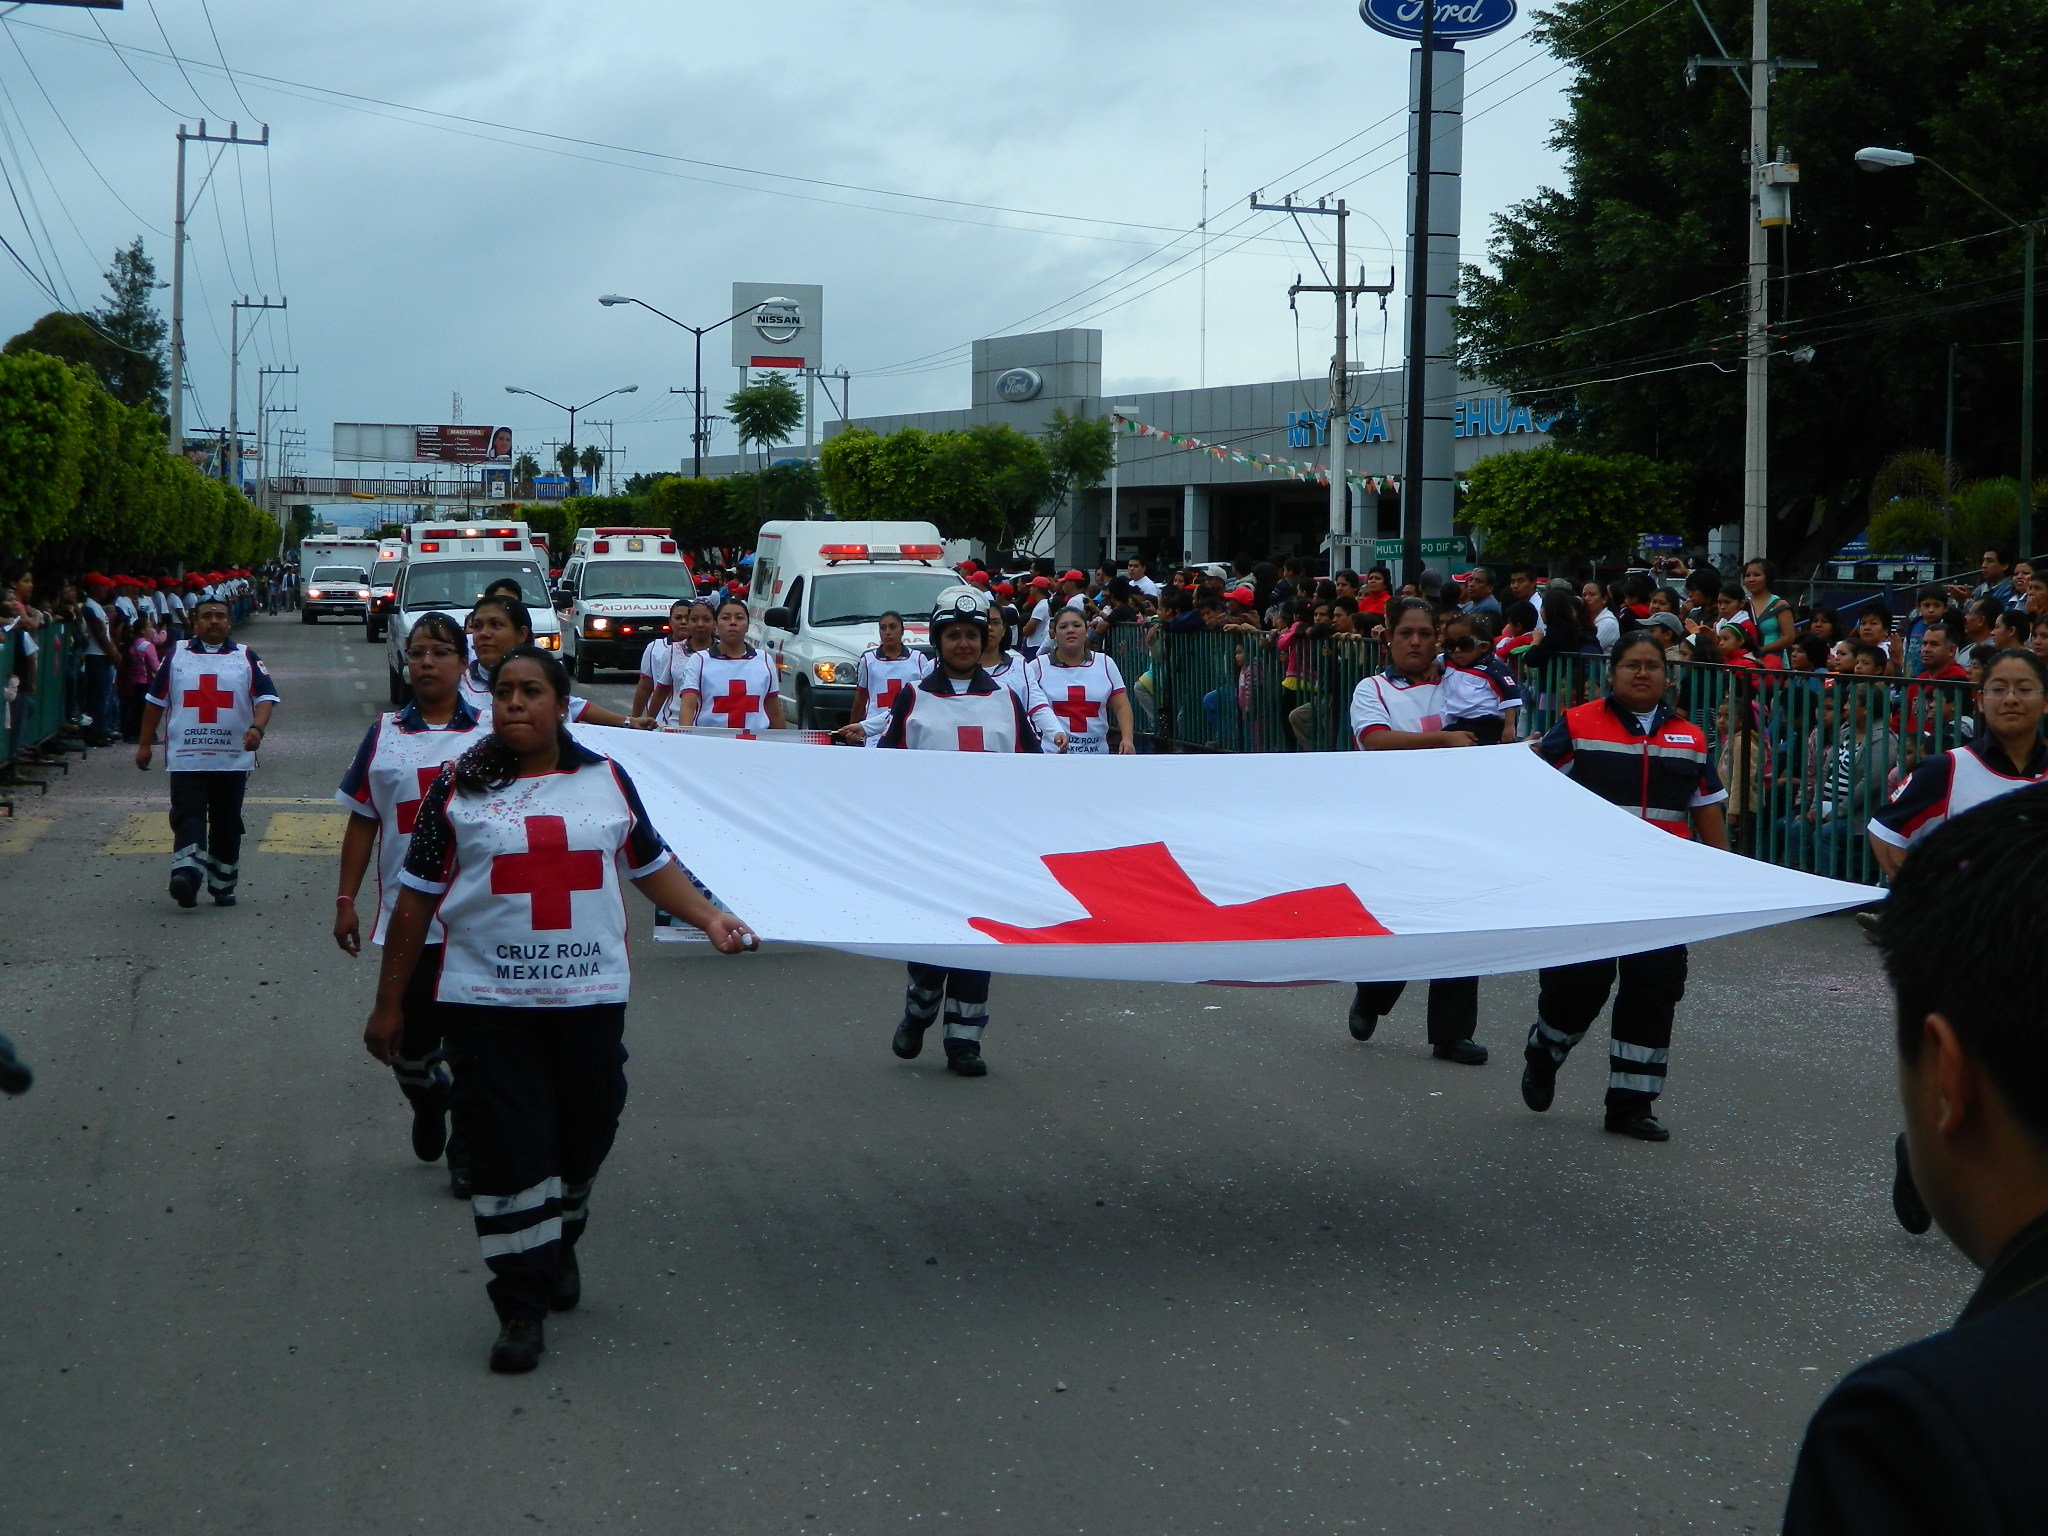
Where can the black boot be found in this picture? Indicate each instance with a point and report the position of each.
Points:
(1539, 1081)
(429, 1128)
(458, 1173)
(565, 1285)
(1634, 1119)
(185, 887)
(1362, 1023)
(519, 1346)
(964, 1057)
(909, 1039)
(1466, 1053)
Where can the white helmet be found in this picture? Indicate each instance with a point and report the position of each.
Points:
(960, 605)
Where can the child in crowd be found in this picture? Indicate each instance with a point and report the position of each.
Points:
(1874, 628)
(1732, 637)
(137, 672)
(2012, 631)
(1477, 693)
(1518, 633)
(1842, 656)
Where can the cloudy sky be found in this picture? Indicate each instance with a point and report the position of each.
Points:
(946, 169)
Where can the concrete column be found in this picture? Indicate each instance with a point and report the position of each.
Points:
(1447, 165)
(1194, 521)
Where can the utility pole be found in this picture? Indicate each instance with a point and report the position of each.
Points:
(1339, 434)
(177, 390)
(1413, 463)
(232, 471)
(1756, 352)
(263, 377)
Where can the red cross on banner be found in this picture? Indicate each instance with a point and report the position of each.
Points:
(409, 810)
(549, 872)
(1077, 711)
(970, 738)
(209, 698)
(736, 704)
(1141, 895)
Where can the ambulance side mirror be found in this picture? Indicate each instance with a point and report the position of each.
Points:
(780, 618)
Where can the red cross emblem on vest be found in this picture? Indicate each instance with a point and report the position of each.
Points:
(409, 810)
(1077, 711)
(736, 704)
(886, 700)
(970, 738)
(209, 698)
(549, 872)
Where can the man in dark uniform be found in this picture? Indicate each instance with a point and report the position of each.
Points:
(1947, 1435)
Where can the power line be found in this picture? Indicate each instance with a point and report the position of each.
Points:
(75, 144)
(129, 67)
(171, 52)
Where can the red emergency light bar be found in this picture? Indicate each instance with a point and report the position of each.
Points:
(837, 552)
(620, 533)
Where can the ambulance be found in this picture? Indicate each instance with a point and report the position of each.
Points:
(445, 570)
(615, 594)
(383, 588)
(818, 594)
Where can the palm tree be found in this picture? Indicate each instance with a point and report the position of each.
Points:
(565, 460)
(592, 461)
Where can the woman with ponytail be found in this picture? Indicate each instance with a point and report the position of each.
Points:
(520, 851)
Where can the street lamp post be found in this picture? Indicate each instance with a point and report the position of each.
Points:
(1879, 159)
(623, 389)
(699, 332)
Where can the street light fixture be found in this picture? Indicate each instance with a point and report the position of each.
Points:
(1878, 158)
(699, 332)
(623, 389)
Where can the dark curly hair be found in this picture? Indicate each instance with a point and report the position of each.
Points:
(490, 765)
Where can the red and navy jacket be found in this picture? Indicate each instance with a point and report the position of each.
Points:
(1662, 775)
(1950, 783)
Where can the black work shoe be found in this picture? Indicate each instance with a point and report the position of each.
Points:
(1636, 1121)
(964, 1057)
(185, 887)
(458, 1180)
(565, 1285)
(223, 898)
(1872, 925)
(1539, 1083)
(1362, 1023)
(1906, 1202)
(519, 1346)
(909, 1039)
(1466, 1053)
(429, 1132)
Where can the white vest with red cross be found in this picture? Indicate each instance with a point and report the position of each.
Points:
(209, 703)
(535, 904)
(1078, 698)
(883, 678)
(732, 691)
(932, 717)
(400, 756)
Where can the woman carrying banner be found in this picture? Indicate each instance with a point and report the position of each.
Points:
(521, 850)
(886, 668)
(1399, 709)
(400, 757)
(690, 634)
(731, 685)
(1084, 688)
(957, 707)
(1630, 749)
(498, 625)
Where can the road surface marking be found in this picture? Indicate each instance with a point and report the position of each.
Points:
(142, 832)
(300, 832)
(18, 833)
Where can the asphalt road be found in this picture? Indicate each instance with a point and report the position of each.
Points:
(1186, 1260)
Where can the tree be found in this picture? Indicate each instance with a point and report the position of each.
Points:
(1555, 503)
(525, 470)
(565, 461)
(765, 412)
(1079, 451)
(138, 369)
(591, 462)
(69, 339)
(1618, 299)
(988, 483)
(1920, 504)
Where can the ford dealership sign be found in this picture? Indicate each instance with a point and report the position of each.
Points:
(1456, 21)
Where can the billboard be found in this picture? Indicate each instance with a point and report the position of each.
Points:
(786, 328)
(377, 443)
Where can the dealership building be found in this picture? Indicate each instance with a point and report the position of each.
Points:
(1176, 501)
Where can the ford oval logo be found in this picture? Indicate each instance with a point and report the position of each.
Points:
(1018, 385)
(1455, 20)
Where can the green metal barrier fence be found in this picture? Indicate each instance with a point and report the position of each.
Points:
(37, 717)
(1806, 757)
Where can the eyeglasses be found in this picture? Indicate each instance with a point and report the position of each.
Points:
(431, 653)
(2012, 690)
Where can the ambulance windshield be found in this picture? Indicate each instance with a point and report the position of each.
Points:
(862, 597)
(664, 579)
(459, 583)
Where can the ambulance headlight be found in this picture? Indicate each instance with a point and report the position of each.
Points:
(834, 671)
(548, 642)
(596, 626)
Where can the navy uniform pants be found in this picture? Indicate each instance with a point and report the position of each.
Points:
(1453, 1005)
(537, 1098)
(206, 825)
(965, 994)
(424, 1062)
(1569, 998)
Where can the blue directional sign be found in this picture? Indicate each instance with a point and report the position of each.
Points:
(1456, 21)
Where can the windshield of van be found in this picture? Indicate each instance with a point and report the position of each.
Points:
(459, 583)
(340, 575)
(862, 597)
(665, 579)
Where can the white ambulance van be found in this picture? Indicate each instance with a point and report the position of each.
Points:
(445, 570)
(818, 594)
(615, 594)
(383, 587)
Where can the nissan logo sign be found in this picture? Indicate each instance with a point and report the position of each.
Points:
(1019, 385)
(779, 320)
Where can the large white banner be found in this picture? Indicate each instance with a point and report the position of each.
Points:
(1256, 867)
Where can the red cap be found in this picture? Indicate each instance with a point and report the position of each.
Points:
(1074, 576)
(1240, 595)
(95, 579)
(1043, 583)
(1004, 589)
(967, 567)
(977, 578)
